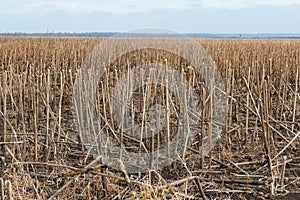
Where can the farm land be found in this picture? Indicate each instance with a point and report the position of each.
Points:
(256, 157)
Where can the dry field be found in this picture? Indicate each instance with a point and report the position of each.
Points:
(257, 156)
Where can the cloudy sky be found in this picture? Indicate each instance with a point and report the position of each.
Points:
(208, 16)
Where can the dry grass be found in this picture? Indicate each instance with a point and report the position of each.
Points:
(257, 155)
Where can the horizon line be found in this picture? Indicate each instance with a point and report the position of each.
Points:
(170, 34)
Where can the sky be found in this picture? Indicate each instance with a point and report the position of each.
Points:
(187, 16)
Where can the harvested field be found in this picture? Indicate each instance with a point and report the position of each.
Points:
(256, 157)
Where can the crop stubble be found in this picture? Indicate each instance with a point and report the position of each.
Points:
(257, 155)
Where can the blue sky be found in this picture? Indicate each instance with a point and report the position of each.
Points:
(208, 16)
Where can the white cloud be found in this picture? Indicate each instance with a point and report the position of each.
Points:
(128, 6)
(237, 4)
(114, 6)
(47, 7)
